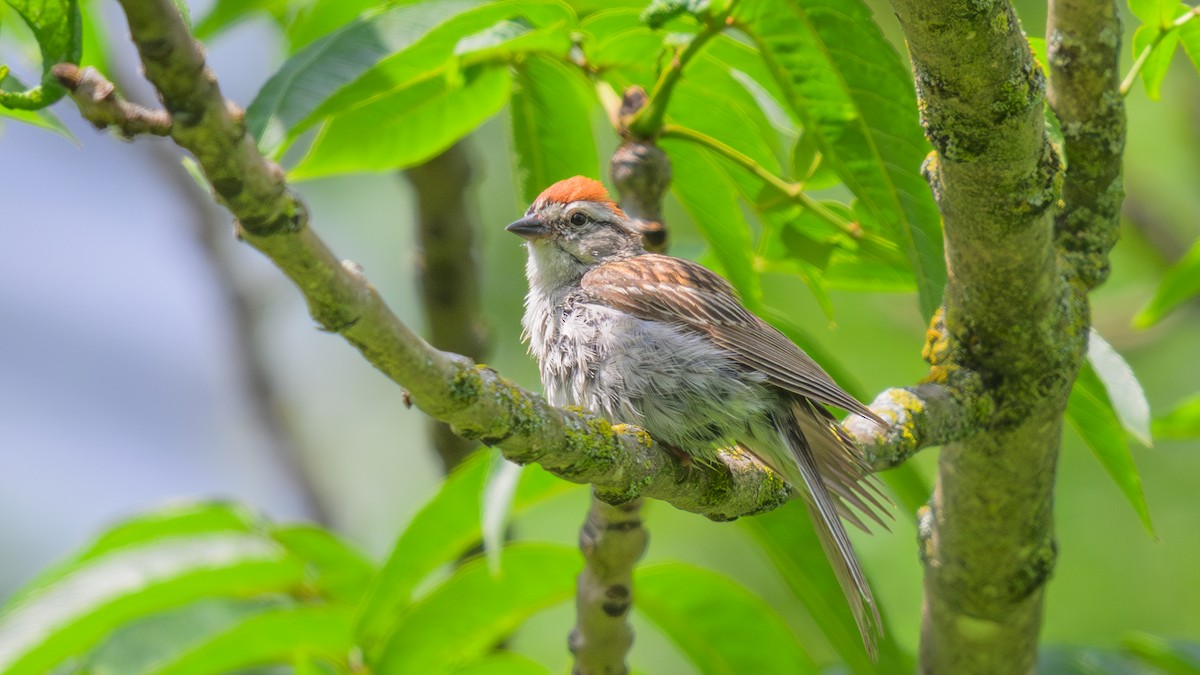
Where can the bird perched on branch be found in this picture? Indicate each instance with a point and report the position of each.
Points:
(666, 344)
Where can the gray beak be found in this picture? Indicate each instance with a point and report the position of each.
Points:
(530, 228)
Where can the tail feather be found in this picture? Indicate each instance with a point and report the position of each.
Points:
(832, 473)
(841, 466)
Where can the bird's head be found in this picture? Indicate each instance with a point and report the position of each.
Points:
(573, 226)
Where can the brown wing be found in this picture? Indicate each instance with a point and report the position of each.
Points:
(663, 288)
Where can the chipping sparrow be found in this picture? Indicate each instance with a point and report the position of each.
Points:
(665, 344)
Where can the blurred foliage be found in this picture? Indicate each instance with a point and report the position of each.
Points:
(811, 97)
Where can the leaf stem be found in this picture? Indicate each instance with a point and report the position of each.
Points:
(648, 122)
(1144, 56)
(793, 191)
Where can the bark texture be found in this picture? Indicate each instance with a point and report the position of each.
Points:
(1014, 323)
(1083, 45)
(612, 540)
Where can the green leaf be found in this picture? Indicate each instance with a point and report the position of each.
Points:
(720, 626)
(1180, 283)
(1175, 657)
(1189, 37)
(406, 127)
(270, 637)
(710, 198)
(42, 117)
(465, 616)
(787, 537)
(76, 611)
(551, 124)
(1076, 660)
(225, 14)
(738, 122)
(1182, 422)
(807, 166)
(493, 34)
(868, 262)
(1124, 391)
(310, 77)
(874, 265)
(620, 47)
(1154, 13)
(1090, 412)
(807, 272)
(178, 520)
(56, 26)
(339, 571)
(503, 663)
(316, 19)
(95, 38)
(445, 528)
(499, 491)
(141, 645)
(747, 66)
(850, 89)
(1154, 69)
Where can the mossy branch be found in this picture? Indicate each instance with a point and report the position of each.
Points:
(1083, 50)
(623, 463)
(1010, 319)
(919, 416)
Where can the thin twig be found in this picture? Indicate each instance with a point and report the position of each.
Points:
(646, 122)
(101, 105)
(792, 191)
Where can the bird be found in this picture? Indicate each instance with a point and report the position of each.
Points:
(665, 344)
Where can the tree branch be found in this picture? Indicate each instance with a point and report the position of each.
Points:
(612, 540)
(1010, 320)
(1083, 39)
(622, 462)
(100, 104)
(918, 417)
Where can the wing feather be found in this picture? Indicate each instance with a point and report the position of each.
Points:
(663, 288)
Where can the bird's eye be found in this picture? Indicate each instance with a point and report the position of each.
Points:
(578, 219)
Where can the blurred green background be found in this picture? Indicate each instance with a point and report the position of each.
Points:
(120, 385)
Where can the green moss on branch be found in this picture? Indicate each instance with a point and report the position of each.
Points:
(1083, 43)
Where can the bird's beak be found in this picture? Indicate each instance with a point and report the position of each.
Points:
(530, 228)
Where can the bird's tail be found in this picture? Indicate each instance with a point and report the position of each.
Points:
(829, 465)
